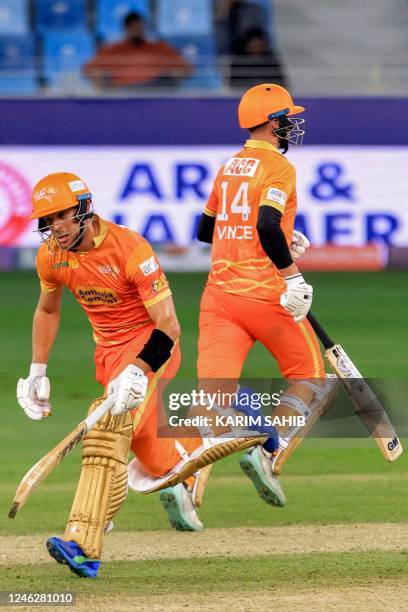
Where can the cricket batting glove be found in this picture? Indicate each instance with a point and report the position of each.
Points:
(298, 297)
(298, 245)
(33, 393)
(128, 389)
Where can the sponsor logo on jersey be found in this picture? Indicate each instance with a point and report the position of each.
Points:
(276, 195)
(72, 263)
(241, 166)
(159, 284)
(77, 186)
(104, 269)
(94, 296)
(149, 266)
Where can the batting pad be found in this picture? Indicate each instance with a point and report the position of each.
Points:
(102, 486)
(318, 407)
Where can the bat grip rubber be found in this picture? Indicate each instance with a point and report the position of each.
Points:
(97, 414)
(320, 332)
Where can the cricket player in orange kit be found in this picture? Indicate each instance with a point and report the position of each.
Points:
(255, 291)
(115, 276)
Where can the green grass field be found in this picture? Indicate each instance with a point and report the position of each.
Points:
(341, 541)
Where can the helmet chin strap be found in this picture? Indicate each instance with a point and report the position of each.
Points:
(75, 246)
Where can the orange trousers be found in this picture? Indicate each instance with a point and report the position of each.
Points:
(231, 324)
(157, 454)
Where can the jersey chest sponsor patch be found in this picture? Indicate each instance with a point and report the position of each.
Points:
(96, 295)
(71, 263)
(241, 166)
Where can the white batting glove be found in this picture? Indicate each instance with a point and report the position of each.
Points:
(33, 393)
(128, 389)
(298, 245)
(298, 297)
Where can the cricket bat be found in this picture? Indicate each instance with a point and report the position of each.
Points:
(368, 407)
(46, 465)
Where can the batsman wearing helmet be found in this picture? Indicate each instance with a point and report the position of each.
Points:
(255, 291)
(115, 276)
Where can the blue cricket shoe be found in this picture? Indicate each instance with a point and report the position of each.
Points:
(69, 553)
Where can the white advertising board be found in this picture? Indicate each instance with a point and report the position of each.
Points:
(347, 195)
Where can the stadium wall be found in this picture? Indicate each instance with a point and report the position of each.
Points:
(150, 164)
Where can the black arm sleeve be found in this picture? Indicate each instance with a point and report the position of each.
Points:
(272, 238)
(205, 228)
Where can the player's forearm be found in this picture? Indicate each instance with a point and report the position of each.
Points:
(205, 229)
(273, 240)
(45, 328)
(160, 344)
(170, 326)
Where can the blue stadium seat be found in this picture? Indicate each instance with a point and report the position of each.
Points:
(18, 73)
(64, 55)
(201, 53)
(14, 17)
(184, 18)
(111, 14)
(59, 15)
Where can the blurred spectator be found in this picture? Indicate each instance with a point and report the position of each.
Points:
(234, 19)
(255, 62)
(135, 61)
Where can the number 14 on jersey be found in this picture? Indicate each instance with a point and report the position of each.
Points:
(239, 204)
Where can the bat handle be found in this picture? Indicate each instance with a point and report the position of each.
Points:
(320, 332)
(97, 414)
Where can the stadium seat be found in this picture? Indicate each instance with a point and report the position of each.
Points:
(64, 55)
(14, 17)
(184, 18)
(111, 14)
(59, 15)
(200, 52)
(18, 73)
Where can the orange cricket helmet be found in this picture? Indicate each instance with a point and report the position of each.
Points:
(56, 192)
(263, 102)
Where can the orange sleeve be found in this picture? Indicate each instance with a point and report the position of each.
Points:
(48, 281)
(277, 187)
(144, 271)
(211, 206)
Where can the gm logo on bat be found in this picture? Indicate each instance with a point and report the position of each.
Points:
(393, 444)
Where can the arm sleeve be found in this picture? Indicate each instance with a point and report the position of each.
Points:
(48, 281)
(272, 238)
(205, 228)
(144, 271)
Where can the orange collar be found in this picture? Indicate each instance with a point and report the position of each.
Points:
(260, 144)
(103, 230)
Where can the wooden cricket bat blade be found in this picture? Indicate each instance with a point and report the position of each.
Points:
(44, 467)
(368, 406)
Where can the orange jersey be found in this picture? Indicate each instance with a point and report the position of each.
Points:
(259, 175)
(114, 282)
